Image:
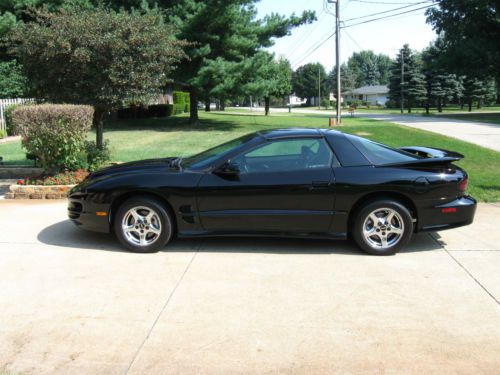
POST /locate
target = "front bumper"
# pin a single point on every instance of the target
(456, 213)
(82, 212)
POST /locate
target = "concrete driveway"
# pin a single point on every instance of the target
(74, 303)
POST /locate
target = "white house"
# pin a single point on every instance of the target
(375, 95)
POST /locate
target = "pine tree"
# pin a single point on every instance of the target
(414, 87)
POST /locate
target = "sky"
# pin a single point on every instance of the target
(384, 36)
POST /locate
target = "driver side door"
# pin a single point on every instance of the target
(284, 185)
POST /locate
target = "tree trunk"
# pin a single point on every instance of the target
(462, 103)
(207, 105)
(427, 105)
(479, 104)
(193, 99)
(98, 122)
(440, 107)
(267, 101)
(470, 104)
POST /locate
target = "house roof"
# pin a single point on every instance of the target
(370, 90)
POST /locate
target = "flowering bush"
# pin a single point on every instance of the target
(54, 133)
(63, 178)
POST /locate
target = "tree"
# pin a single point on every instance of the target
(478, 90)
(305, 80)
(369, 68)
(223, 30)
(96, 56)
(269, 78)
(12, 81)
(472, 34)
(414, 88)
(348, 79)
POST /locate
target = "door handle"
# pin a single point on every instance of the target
(320, 184)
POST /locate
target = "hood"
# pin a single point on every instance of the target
(134, 166)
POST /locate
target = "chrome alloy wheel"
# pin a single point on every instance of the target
(141, 226)
(383, 228)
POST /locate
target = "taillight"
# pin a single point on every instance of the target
(462, 185)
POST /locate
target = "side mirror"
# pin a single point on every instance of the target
(228, 170)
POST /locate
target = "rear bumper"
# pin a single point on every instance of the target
(83, 214)
(456, 213)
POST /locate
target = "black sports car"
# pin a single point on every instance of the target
(286, 182)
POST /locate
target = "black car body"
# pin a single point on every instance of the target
(316, 189)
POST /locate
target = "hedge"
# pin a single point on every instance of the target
(181, 102)
(54, 133)
(155, 110)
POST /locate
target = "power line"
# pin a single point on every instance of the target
(308, 53)
(306, 35)
(383, 2)
(350, 37)
(389, 16)
(386, 11)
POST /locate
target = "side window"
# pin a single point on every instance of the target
(286, 155)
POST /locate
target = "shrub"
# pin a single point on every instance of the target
(54, 133)
(325, 103)
(8, 118)
(181, 102)
(2, 134)
(96, 157)
(160, 110)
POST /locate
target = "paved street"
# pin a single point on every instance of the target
(73, 302)
(479, 133)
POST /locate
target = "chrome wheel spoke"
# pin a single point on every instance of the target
(130, 228)
(149, 217)
(135, 215)
(383, 241)
(396, 230)
(389, 217)
(374, 218)
(142, 239)
(153, 229)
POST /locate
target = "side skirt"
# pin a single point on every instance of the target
(202, 233)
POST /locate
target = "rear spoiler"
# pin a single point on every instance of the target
(429, 156)
(433, 153)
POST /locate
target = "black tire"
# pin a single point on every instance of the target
(141, 238)
(398, 231)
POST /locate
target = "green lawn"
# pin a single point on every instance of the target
(140, 139)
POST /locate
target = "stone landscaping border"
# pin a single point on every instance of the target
(38, 191)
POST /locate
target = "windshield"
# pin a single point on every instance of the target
(206, 158)
(380, 154)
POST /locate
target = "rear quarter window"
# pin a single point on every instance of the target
(380, 154)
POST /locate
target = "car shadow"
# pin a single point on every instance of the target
(66, 234)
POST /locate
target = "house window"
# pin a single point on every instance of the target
(360, 97)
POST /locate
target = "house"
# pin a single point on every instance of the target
(374, 95)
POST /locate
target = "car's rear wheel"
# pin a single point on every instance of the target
(143, 225)
(382, 227)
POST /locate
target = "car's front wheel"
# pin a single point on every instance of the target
(143, 225)
(382, 227)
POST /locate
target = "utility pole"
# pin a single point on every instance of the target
(337, 57)
(319, 87)
(402, 80)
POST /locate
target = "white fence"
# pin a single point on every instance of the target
(5, 103)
